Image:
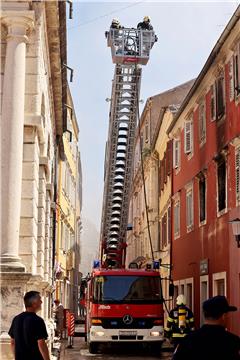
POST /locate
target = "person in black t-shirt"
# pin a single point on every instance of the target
(212, 341)
(28, 331)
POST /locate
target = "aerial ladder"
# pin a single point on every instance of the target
(130, 49)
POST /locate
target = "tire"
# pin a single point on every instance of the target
(155, 348)
(93, 347)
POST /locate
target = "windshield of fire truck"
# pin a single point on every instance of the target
(127, 289)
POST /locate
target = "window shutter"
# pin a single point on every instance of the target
(160, 235)
(220, 96)
(161, 174)
(213, 102)
(169, 157)
(188, 137)
(237, 70)
(237, 165)
(231, 79)
(202, 122)
(189, 199)
(177, 218)
(165, 167)
(169, 226)
(176, 154)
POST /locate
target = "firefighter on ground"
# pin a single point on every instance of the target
(180, 321)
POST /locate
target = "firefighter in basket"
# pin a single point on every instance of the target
(180, 321)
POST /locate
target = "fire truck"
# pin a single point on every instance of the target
(123, 305)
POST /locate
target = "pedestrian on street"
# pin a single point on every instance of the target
(28, 331)
(212, 341)
(59, 317)
(180, 321)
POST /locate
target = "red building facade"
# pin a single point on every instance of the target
(206, 180)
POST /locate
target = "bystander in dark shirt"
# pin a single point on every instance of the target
(210, 342)
(26, 329)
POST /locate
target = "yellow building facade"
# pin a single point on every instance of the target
(69, 216)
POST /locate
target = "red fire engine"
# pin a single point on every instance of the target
(124, 306)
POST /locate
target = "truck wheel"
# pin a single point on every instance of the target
(155, 348)
(93, 347)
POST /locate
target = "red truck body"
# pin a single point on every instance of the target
(124, 306)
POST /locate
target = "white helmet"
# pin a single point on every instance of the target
(181, 300)
(146, 19)
(115, 21)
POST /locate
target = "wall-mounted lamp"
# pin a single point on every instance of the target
(236, 230)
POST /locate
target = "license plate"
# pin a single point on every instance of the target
(128, 333)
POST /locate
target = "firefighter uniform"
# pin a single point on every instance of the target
(180, 321)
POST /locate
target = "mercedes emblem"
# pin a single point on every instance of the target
(127, 319)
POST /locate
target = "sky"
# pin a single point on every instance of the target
(187, 31)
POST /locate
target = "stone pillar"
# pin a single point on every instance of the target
(18, 24)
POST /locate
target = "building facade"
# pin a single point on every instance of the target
(206, 139)
(33, 120)
(155, 146)
(69, 203)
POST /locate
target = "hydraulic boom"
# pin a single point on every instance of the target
(130, 49)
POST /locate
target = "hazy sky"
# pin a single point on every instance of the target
(187, 31)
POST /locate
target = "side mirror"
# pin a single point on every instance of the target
(171, 290)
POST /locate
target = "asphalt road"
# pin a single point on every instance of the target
(121, 352)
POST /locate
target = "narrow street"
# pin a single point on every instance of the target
(120, 186)
(80, 352)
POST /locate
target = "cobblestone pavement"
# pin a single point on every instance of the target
(80, 352)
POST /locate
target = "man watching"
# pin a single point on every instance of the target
(28, 331)
(212, 340)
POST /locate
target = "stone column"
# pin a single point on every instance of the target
(18, 24)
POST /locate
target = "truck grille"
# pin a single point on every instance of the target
(117, 323)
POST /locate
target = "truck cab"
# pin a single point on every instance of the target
(124, 306)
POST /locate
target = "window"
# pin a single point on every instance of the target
(189, 295)
(219, 284)
(176, 153)
(177, 218)
(237, 172)
(221, 174)
(175, 293)
(202, 122)
(204, 294)
(220, 97)
(189, 208)
(188, 136)
(202, 199)
(213, 102)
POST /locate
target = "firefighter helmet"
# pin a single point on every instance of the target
(181, 300)
(146, 19)
(115, 21)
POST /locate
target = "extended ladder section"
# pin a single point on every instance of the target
(129, 47)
